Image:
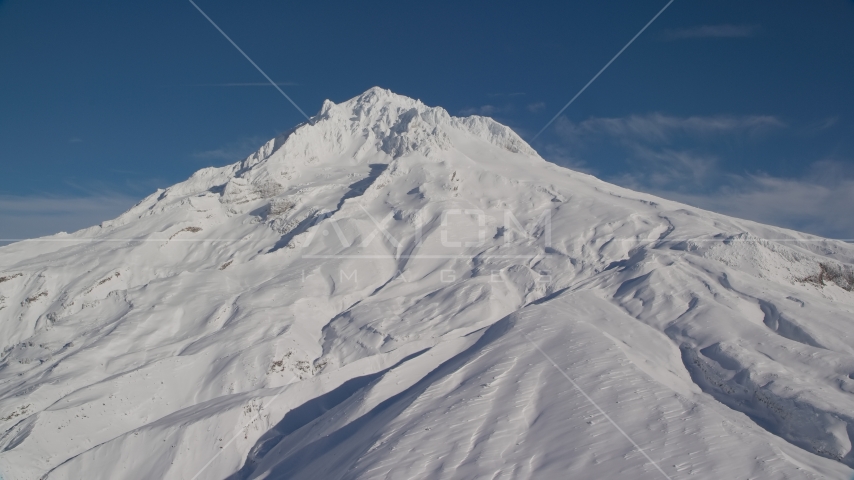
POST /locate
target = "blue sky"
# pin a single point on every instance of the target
(746, 108)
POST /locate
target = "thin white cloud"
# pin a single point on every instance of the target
(536, 107)
(658, 127)
(799, 204)
(247, 84)
(566, 157)
(485, 110)
(818, 202)
(231, 152)
(225, 154)
(670, 157)
(821, 125)
(712, 31)
(33, 216)
(678, 170)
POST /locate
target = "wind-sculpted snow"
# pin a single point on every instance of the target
(387, 291)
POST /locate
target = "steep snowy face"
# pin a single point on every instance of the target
(387, 291)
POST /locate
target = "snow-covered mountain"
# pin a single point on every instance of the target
(388, 291)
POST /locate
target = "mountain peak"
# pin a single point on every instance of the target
(375, 127)
(371, 106)
(401, 125)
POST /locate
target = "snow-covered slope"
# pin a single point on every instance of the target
(391, 292)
